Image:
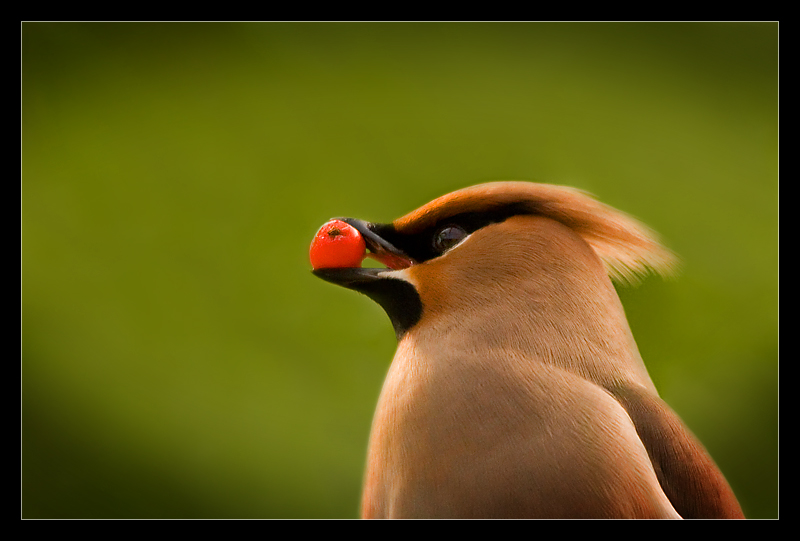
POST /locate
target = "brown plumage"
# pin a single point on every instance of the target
(517, 389)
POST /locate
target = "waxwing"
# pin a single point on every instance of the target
(517, 390)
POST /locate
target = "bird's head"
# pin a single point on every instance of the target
(495, 249)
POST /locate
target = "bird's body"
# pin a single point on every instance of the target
(470, 437)
(517, 389)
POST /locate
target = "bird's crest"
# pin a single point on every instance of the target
(628, 248)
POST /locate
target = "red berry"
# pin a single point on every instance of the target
(337, 245)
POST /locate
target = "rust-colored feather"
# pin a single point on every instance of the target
(628, 248)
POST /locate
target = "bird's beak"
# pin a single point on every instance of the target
(379, 249)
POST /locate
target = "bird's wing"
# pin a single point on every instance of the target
(687, 473)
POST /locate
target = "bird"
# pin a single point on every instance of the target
(517, 389)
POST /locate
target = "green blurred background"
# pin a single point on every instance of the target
(178, 359)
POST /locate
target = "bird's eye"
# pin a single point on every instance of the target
(447, 237)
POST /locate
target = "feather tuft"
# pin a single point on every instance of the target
(628, 249)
